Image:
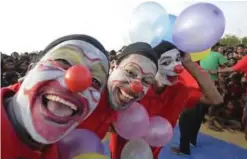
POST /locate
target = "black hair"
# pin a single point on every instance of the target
(165, 46)
(140, 48)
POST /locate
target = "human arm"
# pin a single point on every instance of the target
(239, 66)
(226, 70)
(210, 94)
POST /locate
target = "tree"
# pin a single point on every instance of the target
(244, 40)
(230, 40)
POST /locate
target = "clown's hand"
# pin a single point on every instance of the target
(186, 58)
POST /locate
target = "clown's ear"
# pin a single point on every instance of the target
(113, 64)
(30, 66)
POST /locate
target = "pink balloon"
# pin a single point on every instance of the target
(133, 122)
(159, 133)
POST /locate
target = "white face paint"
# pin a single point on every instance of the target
(133, 68)
(48, 109)
(170, 66)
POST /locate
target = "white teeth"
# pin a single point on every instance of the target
(126, 95)
(60, 100)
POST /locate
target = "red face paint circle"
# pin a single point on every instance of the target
(136, 86)
(78, 78)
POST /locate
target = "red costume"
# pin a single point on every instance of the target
(241, 66)
(169, 105)
(101, 119)
(15, 148)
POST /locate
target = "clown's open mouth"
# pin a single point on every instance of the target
(124, 96)
(172, 79)
(59, 109)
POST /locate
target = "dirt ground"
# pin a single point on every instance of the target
(236, 138)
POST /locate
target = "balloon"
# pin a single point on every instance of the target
(78, 78)
(168, 36)
(197, 56)
(79, 141)
(160, 132)
(133, 122)
(198, 27)
(91, 156)
(136, 149)
(148, 23)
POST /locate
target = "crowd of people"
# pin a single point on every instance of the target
(228, 115)
(14, 66)
(232, 86)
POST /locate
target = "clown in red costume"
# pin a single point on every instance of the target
(172, 92)
(129, 81)
(42, 109)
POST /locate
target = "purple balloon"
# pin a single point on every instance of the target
(133, 122)
(198, 27)
(79, 141)
(160, 132)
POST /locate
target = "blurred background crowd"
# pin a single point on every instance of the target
(231, 85)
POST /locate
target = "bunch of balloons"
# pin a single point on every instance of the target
(134, 123)
(142, 132)
(80, 142)
(196, 29)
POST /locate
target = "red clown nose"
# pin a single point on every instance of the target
(78, 78)
(178, 69)
(136, 86)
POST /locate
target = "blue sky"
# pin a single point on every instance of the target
(28, 25)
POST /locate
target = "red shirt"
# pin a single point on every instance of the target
(11, 145)
(241, 65)
(101, 118)
(171, 102)
(174, 99)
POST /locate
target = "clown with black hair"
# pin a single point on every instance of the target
(128, 82)
(43, 108)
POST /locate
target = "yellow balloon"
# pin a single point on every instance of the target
(196, 56)
(91, 156)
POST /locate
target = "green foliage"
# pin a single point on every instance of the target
(233, 40)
